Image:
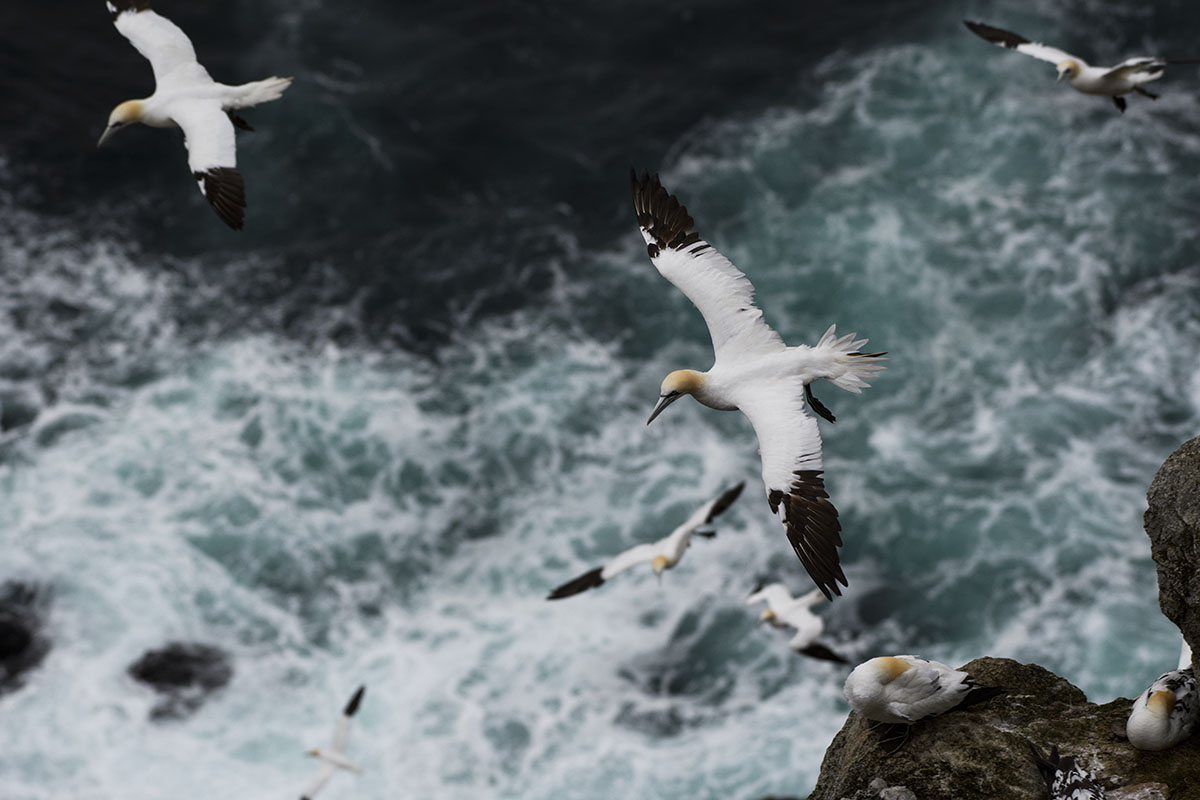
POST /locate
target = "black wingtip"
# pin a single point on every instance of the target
(588, 580)
(724, 502)
(759, 585)
(662, 216)
(996, 35)
(816, 405)
(818, 650)
(980, 694)
(225, 190)
(352, 706)
(239, 122)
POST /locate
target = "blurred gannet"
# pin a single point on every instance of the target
(1065, 780)
(785, 611)
(335, 756)
(186, 97)
(901, 690)
(1111, 82)
(756, 373)
(1164, 714)
(661, 555)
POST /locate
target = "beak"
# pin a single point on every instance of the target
(1061, 75)
(104, 136)
(663, 402)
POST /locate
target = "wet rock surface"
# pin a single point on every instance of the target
(185, 674)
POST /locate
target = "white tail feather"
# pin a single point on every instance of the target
(849, 369)
(264, 91)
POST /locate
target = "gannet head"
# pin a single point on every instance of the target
(888, 668)
(658, 565)
(1161, 703)
(675, 386)
(766, 616)
(1068, 69)
(125, 114)
(314, 753)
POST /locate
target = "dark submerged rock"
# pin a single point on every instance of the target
(23, 645)
(185, 674)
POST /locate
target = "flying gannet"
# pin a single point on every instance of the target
(785, 611)
(1065, 779)
(661, 555)
(335, 757)
(756, 373)
(186, 97)
(1165, 714)
(902, 690)
(1126, 77)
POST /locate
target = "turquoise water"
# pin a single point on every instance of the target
(187, 461)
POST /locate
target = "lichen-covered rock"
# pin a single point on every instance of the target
(1172, 522)
(981, 753)
(184, 673)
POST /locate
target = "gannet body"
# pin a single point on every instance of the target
(901, 690)
(335, 758)
(661, 555)
(185, 96)
(1065, 779)
(785, 611)
(756, 373)
(1126, 77)
(1165, 714)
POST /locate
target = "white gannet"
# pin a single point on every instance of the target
(1065, 779)
(901, 690)
(186, 97)
(661, 555)
(785, 611)
(335, 757)
(1111, 82)
(1165, 714)
(756, 373)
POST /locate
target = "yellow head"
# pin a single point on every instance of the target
(127, 113)
(1161, 702)
(675, 386)
(658, 565)
(313, 753)
(1068, 69)
(891, 668)
(767, 615)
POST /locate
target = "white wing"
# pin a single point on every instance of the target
(164, 45)
(318, 782)
(776, 596)
(678, 539)
(212, 156)
(1013, 41)
(342, 731)
(790, 446)
(720, 290)
(641, 554)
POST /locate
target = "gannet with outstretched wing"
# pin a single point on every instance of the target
(756, 373)
(1065, 779)
(785, 611)
(661, 555)
(186, 97)
(335, 757)
(1126, 77)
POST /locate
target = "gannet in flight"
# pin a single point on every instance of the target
(902, 690)
(756, 373)
(1065, 780)
(335, 757)
(785, 611)
(661, 555)
(1165, 714)
(186, 97)
(1111, 82)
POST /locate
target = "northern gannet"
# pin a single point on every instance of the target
(756, 373)
(785, 611)
(901, 690)
(1126, 77)
(1165, 714)
(1065, 779)
(335, 757)
(186, 97)
(661, 555)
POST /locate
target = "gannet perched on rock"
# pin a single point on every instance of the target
(186, 97)
(335, 757)
(661, 555)
(785, 611)
(1126, 77)
(1065, 779)
(1165, 714)
(756, 373)
(901, 690)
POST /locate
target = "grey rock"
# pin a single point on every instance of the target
(1172, 522)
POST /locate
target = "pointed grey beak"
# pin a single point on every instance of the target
(1061, 75)
(104, 136)
(663, 402)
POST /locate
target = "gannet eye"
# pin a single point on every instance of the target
(672, 393)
